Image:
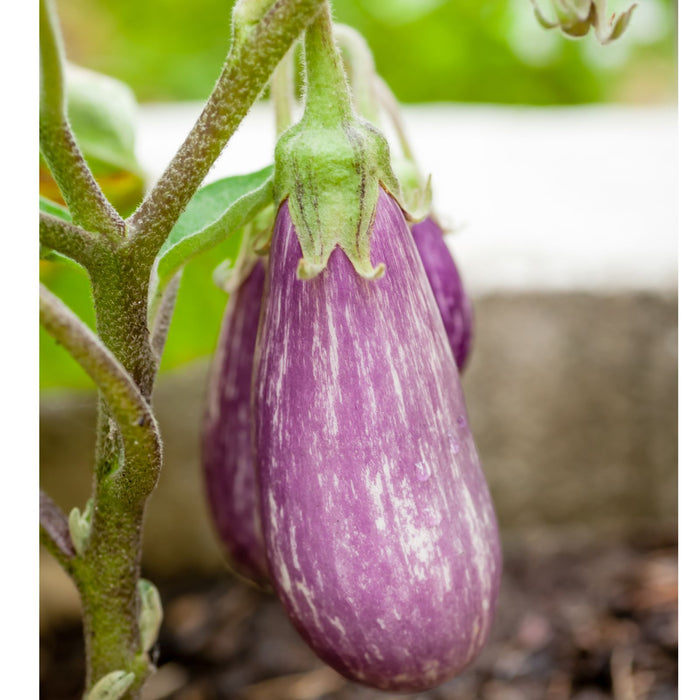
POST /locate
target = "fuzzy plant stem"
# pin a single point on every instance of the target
(79, 189)
(263, 32)
(123, 357)
(69, 240)
(391, 106)
(282, 92)
(327, 92)
(107, 571)
(361, 68)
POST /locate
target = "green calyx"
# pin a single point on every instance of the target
(417, 193)
(331, 164)
(331, 177)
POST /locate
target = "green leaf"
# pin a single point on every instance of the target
(102, 112)
(215, 213)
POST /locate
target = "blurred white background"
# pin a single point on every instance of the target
(559, 198)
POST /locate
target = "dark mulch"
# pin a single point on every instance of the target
(574, 623)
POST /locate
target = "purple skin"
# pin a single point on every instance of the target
(443, 276)
(228, 464)
(227, 456)
(381, 536)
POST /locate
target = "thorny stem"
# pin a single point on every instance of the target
(257, 47)
(77, 184)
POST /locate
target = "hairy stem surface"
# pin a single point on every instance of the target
(257, 48)
(79, 189)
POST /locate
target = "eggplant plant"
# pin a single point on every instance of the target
(339, 462)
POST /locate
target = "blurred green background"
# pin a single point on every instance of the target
(427, 50)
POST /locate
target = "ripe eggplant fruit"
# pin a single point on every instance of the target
(229, 469)
(227, 454)
(381, 537)
(450, 295)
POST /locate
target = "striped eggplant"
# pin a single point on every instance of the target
(443, 276)
(227, 457)
(229, 470)
(381, 537)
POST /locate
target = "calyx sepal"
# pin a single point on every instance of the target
(576, 17)
(331, 174)
(331, 164)
(416, 193)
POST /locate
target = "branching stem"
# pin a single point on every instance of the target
(123, 357)
(257, 47)
(79, 189)
(131, 412)
(69, 240)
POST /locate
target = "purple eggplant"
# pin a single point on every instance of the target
(227, 455)
(229, 468)
(450, 295)
(381, 537)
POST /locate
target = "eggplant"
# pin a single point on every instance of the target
(227, 454)
(452, 299)
(381, 537)
(229, 470)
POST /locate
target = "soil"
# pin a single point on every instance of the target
(574, 622)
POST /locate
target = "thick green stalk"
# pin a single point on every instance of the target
(328, 99)
(123, 359)
(282, 92)
(130, 458)
(79, 189)
(127, 406)
(124, 478)
(360, 63)
(108, 584)
(120, 293)
(69, 240)
(260, 41)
